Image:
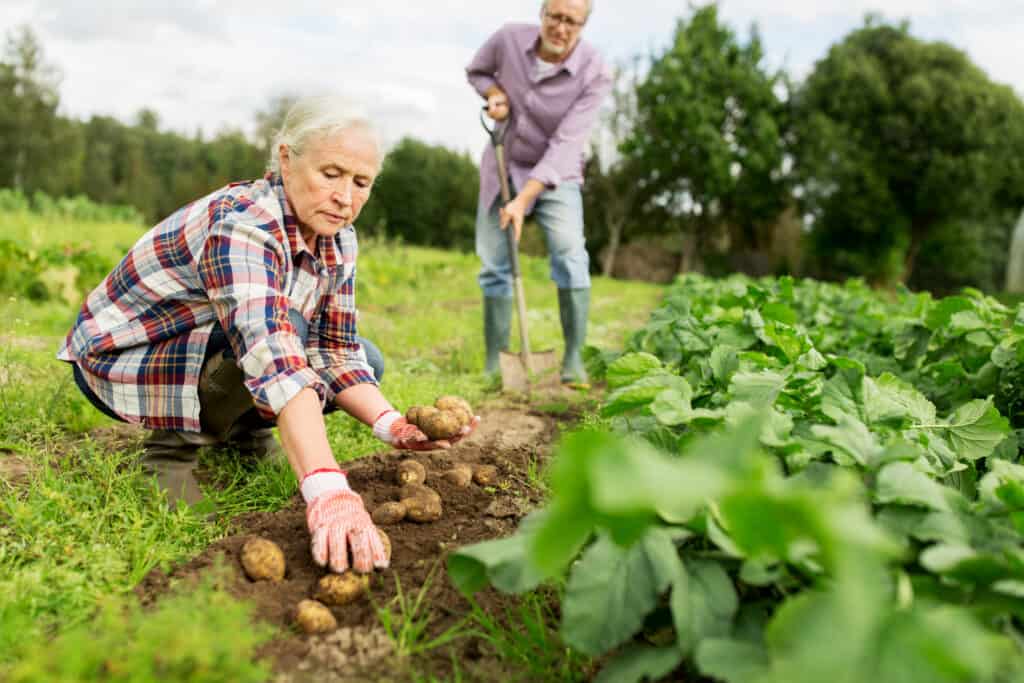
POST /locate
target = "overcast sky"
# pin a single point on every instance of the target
(210, 64)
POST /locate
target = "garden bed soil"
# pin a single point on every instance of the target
(512, 437)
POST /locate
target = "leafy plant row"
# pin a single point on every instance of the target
(793, 481)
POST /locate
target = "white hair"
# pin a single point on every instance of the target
(590, 6)
(313, 118)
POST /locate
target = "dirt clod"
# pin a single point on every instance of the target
(485, 475)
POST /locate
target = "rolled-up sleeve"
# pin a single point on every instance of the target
(566, 147)
(242, 269)
(482, 69)
(332, 348)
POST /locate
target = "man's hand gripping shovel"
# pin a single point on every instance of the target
(523, 371)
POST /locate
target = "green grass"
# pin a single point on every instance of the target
(86, 526)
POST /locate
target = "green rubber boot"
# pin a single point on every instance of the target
(497, 328)
(172, 457)
(573, 307)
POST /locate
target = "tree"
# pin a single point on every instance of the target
(898, 139)
(710, 133)
(611, 191)
(28, 111)
(425, 194)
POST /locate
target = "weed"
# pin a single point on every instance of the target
(407, 619)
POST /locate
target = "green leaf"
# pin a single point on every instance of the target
(733, 661)
(611, 589)
(724, 362)
(504, 562)
(640, 662)
(672, 408)
(976, 428)
(889, 398)
(758, 388)
(852, 438)
(631, 367)
(779, 312)
(902, 483)
(703, 603)
(942, 312)
(643, 391)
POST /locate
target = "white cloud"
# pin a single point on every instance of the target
(210, 64)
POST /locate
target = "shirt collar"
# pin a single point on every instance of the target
(327, 247)
(572, 64)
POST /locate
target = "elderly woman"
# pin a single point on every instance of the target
(237, 312)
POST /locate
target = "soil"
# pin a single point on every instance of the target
(514, 438)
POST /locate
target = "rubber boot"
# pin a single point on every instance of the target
(223, 397)
(497, 328)
(172, 458)
(573, 307)
(256, 445)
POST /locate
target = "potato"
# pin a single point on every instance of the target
(417, 491)
(262, 559)
(388, 513)
(387, 544)
(314, 617)
(423, 509)
(460, 475)
(453, 403)
(443, 425)
(485, 475)
(341, 589)
(410, 472)
(412, 415)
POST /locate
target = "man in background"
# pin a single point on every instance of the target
(552, 83)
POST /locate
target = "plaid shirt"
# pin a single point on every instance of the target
(235, 256)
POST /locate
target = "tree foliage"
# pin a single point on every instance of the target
(425, 194)
(898, 138)
(710, 131)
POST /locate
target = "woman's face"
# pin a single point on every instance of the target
(329, 184)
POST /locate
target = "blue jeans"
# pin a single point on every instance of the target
(560, 214)
(219, 342)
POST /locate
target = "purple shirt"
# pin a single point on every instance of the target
(551, 117)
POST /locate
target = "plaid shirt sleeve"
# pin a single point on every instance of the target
(332, 348)
(243, 270)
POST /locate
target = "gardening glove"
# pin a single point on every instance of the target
(338, 523)
(393, 429)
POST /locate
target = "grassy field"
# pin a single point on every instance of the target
(79, 525)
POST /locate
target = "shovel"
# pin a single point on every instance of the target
(523, 371)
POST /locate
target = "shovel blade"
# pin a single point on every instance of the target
(515, 378)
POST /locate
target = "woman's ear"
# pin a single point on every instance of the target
(284, 159)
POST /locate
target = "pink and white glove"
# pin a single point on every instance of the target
(393, 429)
(338, 523)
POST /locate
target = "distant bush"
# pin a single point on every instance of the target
(78, 208)
(59, 272)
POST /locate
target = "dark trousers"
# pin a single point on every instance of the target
(219, 342)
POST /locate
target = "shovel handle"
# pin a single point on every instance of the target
(497, 134)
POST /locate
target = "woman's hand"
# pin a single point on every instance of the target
(339, 523)
(395, 430)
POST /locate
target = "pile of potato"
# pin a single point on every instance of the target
(263, 560)
(445, 419)
(420, 503)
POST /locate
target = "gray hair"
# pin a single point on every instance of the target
(590, 7)
(316, 117)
